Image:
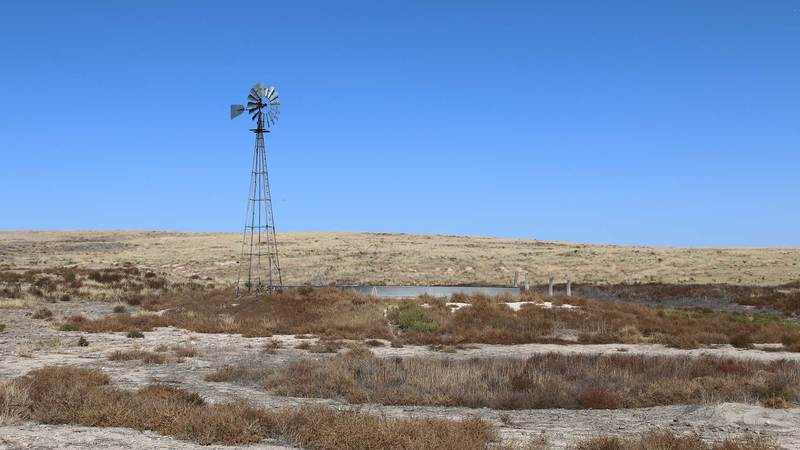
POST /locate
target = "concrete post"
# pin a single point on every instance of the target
(569, 288)
(550, 288)
(527, 282)
(516, 278)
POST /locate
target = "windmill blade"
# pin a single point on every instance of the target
(253, 97)
(236, 110)
(272, 94)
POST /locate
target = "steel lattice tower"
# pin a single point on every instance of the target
(259, 268)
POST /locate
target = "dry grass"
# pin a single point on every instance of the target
(398, 259)
(784, 298)
(42, 313)
(665, 440)
(64, 395)
(324, 312)
(341, 314)
(542, 381)
(593, 322)
(13, 402)
(184, 351)
(54, 284)
(138, 355)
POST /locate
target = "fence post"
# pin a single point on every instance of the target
(569, 288)
(527, 282)
(550, 288)
(516, 278)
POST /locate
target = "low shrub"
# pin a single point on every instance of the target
(140, 355)
(69, 326)
(42, 313)
(412, 317)
(184, 351)
(667, 440)
(541, 381)
(66, 395)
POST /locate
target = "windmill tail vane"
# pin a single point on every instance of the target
(259, 268)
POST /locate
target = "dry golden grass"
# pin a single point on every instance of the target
(542, 381)
(65, 395)
(138, 355)
(13, 403)
(665, 440)
(381, 258)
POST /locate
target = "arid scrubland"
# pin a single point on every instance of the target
(341, 314)
(655, 349)
(400, 259)
(538, 382)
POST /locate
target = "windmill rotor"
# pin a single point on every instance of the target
(263, 105)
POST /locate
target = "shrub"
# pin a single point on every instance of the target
(742, 340)
(326, 346)
(667, 440)
(184, 351)
(272, 345)
(42, 313)
(412, 317)
(68, 327)
(66, 395)
(141, 355)
(83, 342)
(135, 334)
(119, 309)
(65, 298)
(541, 381)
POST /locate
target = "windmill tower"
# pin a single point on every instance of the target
(259, 269)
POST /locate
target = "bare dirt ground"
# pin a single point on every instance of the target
(401, 259)
(28, 343)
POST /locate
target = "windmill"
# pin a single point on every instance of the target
(259, 269)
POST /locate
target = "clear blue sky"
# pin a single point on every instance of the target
(664, 123)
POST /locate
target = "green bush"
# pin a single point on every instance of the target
(413, 317)
(69, 327)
